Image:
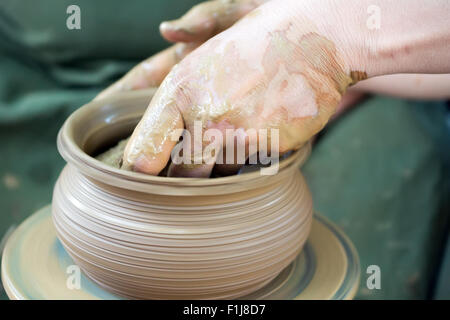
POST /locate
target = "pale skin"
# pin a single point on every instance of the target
(285, 65)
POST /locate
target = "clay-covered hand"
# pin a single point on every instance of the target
(274, 69)
(199, 24)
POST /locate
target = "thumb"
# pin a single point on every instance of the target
(207, 19)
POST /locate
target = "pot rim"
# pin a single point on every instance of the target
(88, 165)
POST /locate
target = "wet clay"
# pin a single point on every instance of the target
(284, 79)
(113, 156)
(151, 143)
(357, 76)
(33, 270)
(151, 237)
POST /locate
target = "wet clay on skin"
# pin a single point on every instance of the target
(153, 135)
(290, 83)
(148, 237)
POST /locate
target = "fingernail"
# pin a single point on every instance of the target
(165, 25)
(174, 26)
(168, 25)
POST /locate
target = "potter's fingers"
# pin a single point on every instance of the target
(207, 19)
(151, 143)
(238, 145)
(190, 170)
(150, 72)
(227, 169)
(195, 156)
(232, 158)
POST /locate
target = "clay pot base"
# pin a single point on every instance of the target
(35, 266)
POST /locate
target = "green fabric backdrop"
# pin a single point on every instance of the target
(378, 172)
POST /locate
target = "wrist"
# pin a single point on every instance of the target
(344, 24)
(345, 45)
(385, 37)
(373, 37)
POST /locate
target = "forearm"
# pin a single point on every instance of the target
(411, 86)
(412, 36)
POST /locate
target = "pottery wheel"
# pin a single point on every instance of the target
(36, 266)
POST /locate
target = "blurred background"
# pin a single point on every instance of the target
(381, 171)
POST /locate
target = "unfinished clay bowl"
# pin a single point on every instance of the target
(152, 237)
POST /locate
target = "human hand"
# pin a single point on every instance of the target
(285, 66)
(199, 24)
(274, 69)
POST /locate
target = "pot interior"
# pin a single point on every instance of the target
(99, 125)
(107, 137)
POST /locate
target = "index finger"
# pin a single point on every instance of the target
(151, 143)
(150, 72)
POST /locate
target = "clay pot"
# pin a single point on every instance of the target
(151, 237)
